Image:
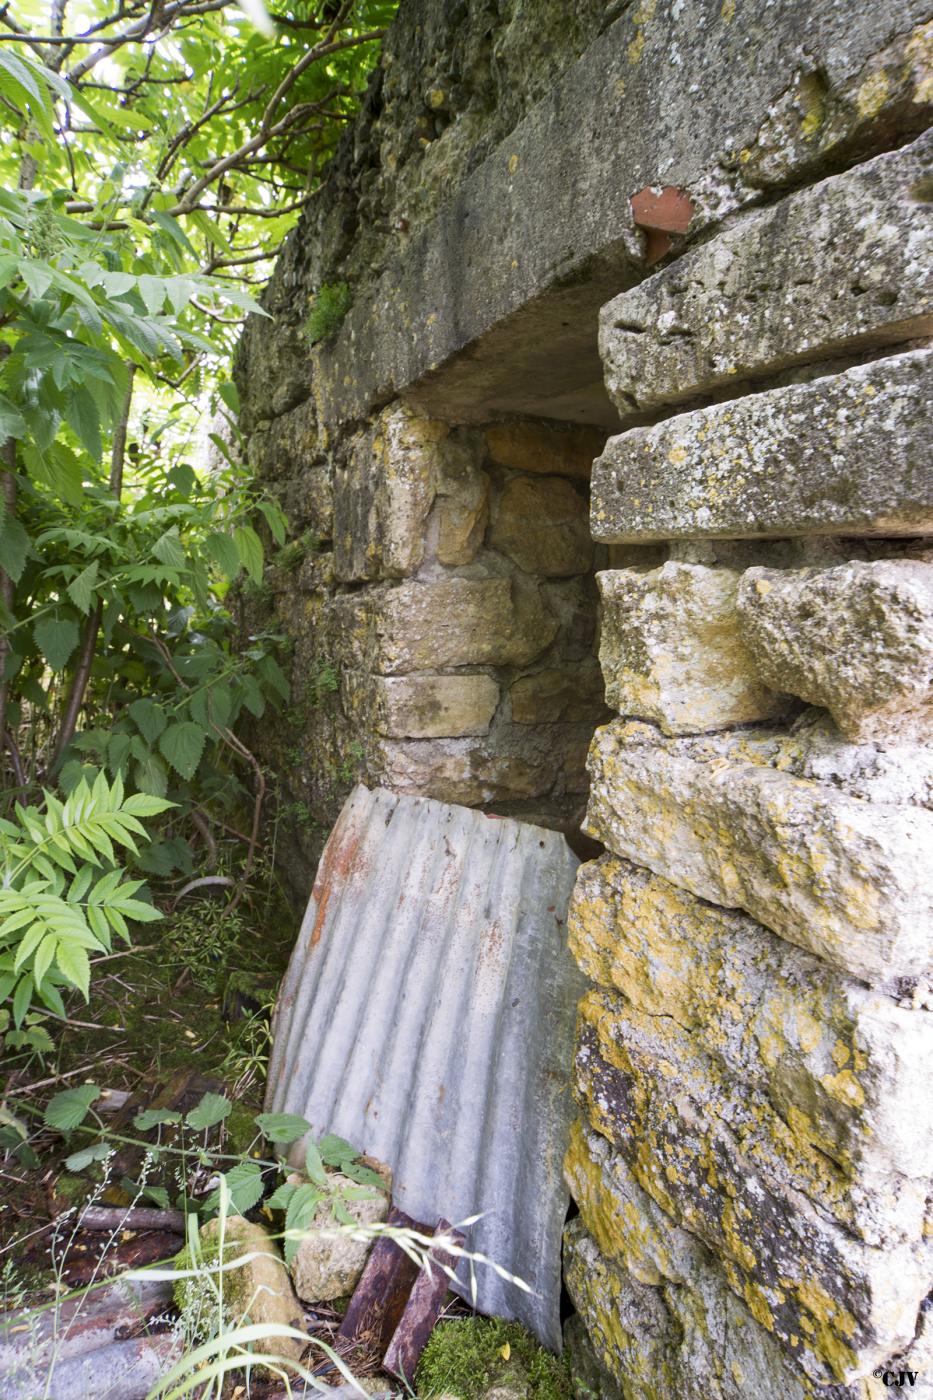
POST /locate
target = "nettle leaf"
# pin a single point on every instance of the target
(283, 1127)
(336, 1150)
(14, 544)
(79, 1160)
(244, 1182)
(169, 550)
(149, 718)
(67, 1110)
(150, 776)
(249, 548)
(212, 1109)
(56, 638)
(182, 745)
(222, 551)
(314, 1165)
(154, 1118)
(299, 1214)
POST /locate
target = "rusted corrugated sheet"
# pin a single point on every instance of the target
(427, 1016)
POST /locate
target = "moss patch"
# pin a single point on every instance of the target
(465, 1358)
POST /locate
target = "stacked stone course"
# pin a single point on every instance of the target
(754, 1155)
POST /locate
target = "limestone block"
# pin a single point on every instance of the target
(572, 693)
(671, 651)
(469, 773)
(463, 500)
(857, 638)
(287, 446)
(839, 265)
(689, 1337)
(589, 1379)
(309, 502)
(822, 841)
(462, 622)
(708, 1155)
(428, 707)
(542, 526)
(842, 1065)
(383, 493)
(548, 449)
(258, 1292)
(846, 453)
(328, 1262)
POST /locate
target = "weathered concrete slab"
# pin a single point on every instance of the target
(844, 454)
(818, 839)
(857, 638)
(845, 1067)
(671, 650)
(844, 264)
(427, 1016)
(750, 101)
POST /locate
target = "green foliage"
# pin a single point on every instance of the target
(63, 892)
(331, 303)
(466, 1357)
(139, 180)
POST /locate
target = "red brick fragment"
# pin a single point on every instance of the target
(667, 211)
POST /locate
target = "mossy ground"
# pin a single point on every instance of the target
(466, 1357)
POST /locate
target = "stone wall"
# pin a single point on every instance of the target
(754, 1155)
(745, 189)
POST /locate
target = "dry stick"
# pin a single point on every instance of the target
(131, 1218)
(82, 673)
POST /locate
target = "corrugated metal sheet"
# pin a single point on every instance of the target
(428, 1016)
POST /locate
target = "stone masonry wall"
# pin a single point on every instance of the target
(753, 1155)
(753, 1160)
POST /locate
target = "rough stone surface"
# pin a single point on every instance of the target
(843, 1066)
(463, 501)
(857, 638)
(695, 1144)
(428, 707)
(572, 693)
(260, 1291)
(460, 622)
(687, 1336)
(328, 1262)
(671, 651)
(531, 446)
(383, 495)
(838, 266)
(511, 764)
(818, 839)
(782, 99)
(542, 526)
(686, 1120)
(847, 453)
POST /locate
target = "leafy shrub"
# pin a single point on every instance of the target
(63, 892)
